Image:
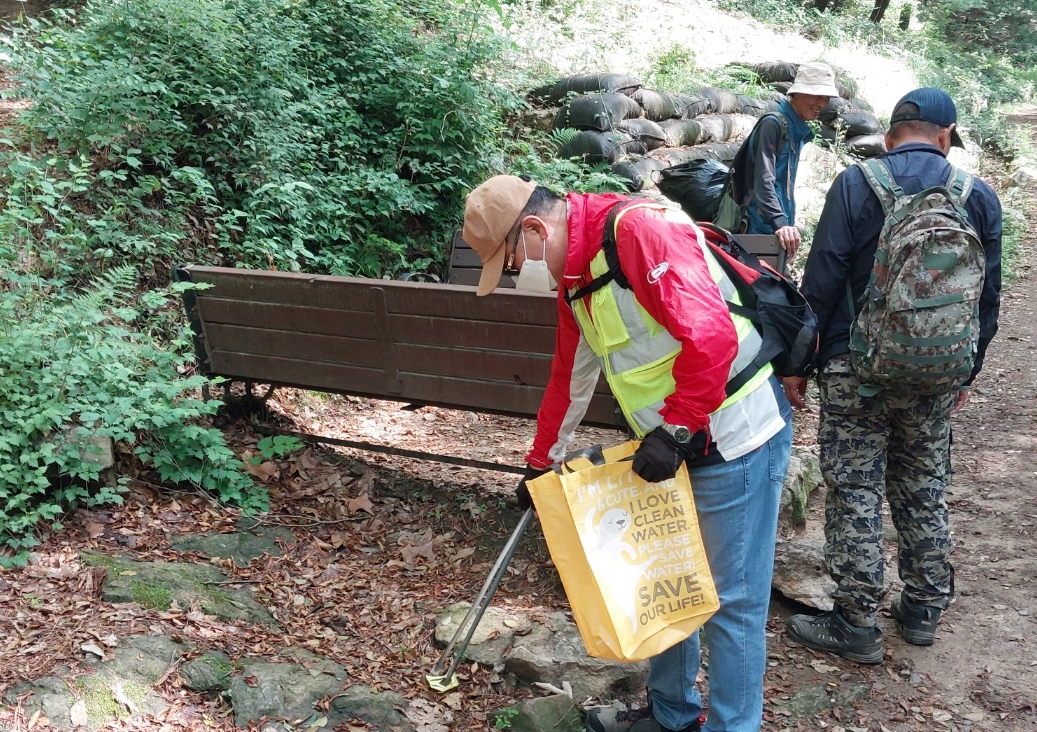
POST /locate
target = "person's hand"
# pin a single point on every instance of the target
(795, 389)
(959, 401)
(522, 492)
(788, 237)
(658, 456)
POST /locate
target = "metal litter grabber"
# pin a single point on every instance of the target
(442, 677)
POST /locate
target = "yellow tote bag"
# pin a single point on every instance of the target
(629, 553)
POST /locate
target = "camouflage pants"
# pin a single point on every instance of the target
(892, 445)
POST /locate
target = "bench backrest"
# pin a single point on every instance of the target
(465, 264)
(414, 342)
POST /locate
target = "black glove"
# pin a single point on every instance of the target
(658, 457)
(522, 492)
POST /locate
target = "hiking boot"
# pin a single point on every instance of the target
(917, 623)
(833, 633)
(617, 718)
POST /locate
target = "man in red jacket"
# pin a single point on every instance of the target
(672, 351)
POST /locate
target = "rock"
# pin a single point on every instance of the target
(208, 673)
(800, 574)
(50, 696)
(159, 584)
(376, 708)
(254, 540)
(554, 652)
(803, 478)
(115, 689)
(285, 688)
(547, 714)
(1025, 177)
(492, 637)
(815, 698)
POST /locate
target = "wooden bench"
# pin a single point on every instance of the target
(465, 264)
(425, 344)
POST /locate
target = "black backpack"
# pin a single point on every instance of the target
(770, 300)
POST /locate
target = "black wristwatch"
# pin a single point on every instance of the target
(678, 432)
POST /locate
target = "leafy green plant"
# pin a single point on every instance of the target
(505, 718)
(276, 446)
(73, 375)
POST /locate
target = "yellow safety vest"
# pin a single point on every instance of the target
(637, 353)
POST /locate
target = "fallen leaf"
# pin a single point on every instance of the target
(821, 667)
(92, 648)
(94, 529)
(360, 503)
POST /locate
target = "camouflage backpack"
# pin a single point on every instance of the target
(918, 326)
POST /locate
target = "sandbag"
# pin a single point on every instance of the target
(657, 106)
(857, 122)
(721, 101)
(690, 106)
(722, 151)
(830, 113)
(696, 185)
(782, 87)
(771, 71)
(847, 89)
(867, 146)
(724, 127)
(583, 84)
(648, 132)
(860, 103)
(756, 107)
(595, 147)
(639, 171)
(600, 112)
(682, 132)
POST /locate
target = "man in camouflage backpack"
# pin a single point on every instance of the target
(889, 384)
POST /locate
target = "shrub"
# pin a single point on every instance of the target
(72, 370)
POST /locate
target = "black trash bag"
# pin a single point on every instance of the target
(867, 146)
(721, 101)
(782, 87)
(696, 185)
(596, 147)
(648, 132)
(583, 84)
(690, 106)
(600, 112)
(641, 172)
(857, 122)
(682, 132)
(829, 133)
(832, 110)
(756, 107)
(771, 71)
(657, 105)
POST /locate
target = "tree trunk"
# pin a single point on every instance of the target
(905, 16)
(879, 10)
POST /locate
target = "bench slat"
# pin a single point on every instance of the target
(495, 397)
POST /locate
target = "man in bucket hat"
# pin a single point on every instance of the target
(763, 175)
(680, 364)
(887, 444)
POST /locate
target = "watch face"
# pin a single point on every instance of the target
(681, 434)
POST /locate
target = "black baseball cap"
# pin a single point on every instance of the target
(934, 106)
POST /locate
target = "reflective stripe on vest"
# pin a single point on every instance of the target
(637, 353)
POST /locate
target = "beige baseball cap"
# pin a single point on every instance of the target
(815, 78)
(490, 212)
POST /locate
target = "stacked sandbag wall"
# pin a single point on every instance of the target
(641, 132)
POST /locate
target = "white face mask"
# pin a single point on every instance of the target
(534, 276)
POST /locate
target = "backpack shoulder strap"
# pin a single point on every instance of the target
(608, 246)
(960, 183)
(881, 181)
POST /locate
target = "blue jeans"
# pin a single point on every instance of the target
(737, 504)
